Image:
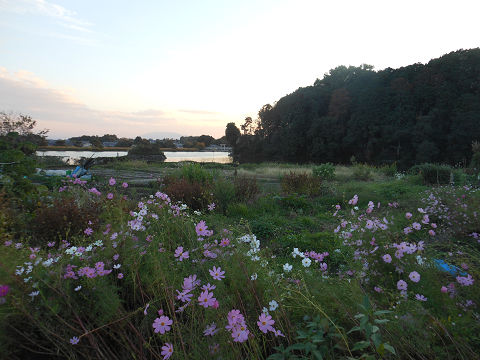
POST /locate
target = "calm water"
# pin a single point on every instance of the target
(172, 156)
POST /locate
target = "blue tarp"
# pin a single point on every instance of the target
(451, 269)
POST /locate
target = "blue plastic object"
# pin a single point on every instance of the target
(451, 269)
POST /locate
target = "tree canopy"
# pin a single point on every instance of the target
(418, 113)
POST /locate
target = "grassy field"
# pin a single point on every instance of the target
(277, 261)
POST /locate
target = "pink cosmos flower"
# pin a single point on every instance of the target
(167, 351)
(431, 232)
(444, 289)
(180, 254)
(240, 333)
(112, 181)
(387, 258)
(265, 323)
(162, 324)
(109, 196)
(211, 207)
(420, 297)
(208, 287)
(224, 242)
(408, 215)
(120, 276)
(414, 276)
(401, 285)
(407, 230)
(184, 296)
(465, 280)
(210, 330)
(206, 299)
(4, 289)
(354, 200)
(125, 185)
(217, 273)
(88, 231)
(369, 224)
(416, 226)
(201, 228)
(378, 289)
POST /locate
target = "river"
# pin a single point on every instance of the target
(172, 156)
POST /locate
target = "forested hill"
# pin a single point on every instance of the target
(414, 114)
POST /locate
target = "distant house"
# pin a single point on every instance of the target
(221, 147)
(86, 144)
(178, 144)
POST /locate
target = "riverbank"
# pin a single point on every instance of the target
(96, 149)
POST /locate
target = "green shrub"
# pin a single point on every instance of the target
(146, 149)
(194, 194)
(389, 170)
(433, 173)
(301, 183)
(195, 173)
(224, 194)
(324, 171)
(362, 172)
(246, 188)
(63, 218)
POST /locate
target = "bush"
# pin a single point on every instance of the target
(224, 194)
(362, 172)
(301, 184)
(62, 219)
(146, 149)
(389, 170)
(246, 188)
(195, 173)
(324, 171)
(192, 193)
(433, 173)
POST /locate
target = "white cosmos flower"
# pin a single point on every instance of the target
(287, 267)
(306, 262)
(273, 305)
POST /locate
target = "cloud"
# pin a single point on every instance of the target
(57, 110)
(45, 8)
(64, 17)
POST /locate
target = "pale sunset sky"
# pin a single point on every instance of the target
(189, 67)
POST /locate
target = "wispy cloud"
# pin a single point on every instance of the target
(65, 116)
(64, 17)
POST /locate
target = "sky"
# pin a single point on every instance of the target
(171, 68)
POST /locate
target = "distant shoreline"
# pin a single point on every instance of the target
(90, 148)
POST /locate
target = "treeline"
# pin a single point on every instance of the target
(414, 114)
(106, 140)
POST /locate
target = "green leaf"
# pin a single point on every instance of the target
(390, 348)
(377, 340)
(355, 328)
(381, 312)
(380, 321)
(366, 303)
(375, 329)
(317, 354)
(298, 346)
(361, 345)
(276, 356)
(358, 316)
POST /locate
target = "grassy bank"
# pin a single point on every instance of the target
(255, 262)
